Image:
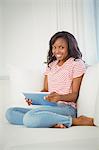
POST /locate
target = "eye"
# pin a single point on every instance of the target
(61, 47)
(53, 47)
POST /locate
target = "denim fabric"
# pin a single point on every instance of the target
(41, 117)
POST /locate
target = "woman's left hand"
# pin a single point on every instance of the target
(53, 97)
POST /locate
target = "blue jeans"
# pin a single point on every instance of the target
(41, 117)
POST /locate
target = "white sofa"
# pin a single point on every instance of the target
(13, 137)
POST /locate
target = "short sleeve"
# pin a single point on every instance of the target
(79, 68)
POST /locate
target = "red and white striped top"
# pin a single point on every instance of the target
(60, 77)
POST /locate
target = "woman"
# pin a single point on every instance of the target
(62, 78)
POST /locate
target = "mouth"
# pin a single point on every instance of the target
(58, 56)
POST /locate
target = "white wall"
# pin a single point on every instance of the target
(27, 31)
(78, 17)
(29, 24)
(1, 56)
(1, 39)
(97, 22)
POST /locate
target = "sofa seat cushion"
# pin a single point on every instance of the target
(49, 138)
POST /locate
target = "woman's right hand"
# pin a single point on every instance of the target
(28, 101)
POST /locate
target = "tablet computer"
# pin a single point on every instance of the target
(38, 98)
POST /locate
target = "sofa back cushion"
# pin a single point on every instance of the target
(96, 115)
(23, 80)
(88, 92)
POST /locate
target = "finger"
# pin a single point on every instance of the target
(52, 93)
(50, 96)
(26, 99)
(47, 97)
(30, 100)
(29, 103)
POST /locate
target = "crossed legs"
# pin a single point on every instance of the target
(47, 116)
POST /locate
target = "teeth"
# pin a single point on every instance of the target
(58, 55)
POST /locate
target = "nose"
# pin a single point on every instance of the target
(56, 50)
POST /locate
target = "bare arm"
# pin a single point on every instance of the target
(71, 97)
(45, 86)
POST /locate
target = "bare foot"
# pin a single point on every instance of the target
(83, 121)
(59, 126)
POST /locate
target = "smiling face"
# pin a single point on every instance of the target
(60, 50)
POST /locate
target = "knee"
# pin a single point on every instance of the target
(27, 120)
(31, 121)
(9, 113)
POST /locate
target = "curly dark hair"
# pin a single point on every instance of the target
(73, 49)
